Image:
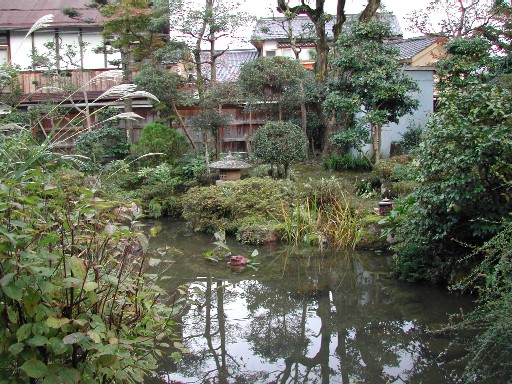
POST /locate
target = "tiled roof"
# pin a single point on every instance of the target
(271, 28)
(22, 14)
(411, 47)
(229, 64)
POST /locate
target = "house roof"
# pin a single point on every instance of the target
(275, 28)
(411, 47)
(229, 64)
(23, 14)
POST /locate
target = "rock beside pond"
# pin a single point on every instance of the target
(258, 234)
(370, 234)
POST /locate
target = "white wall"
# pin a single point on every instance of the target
(286, 52)
(21, 47)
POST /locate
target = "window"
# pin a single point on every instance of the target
(270, 53)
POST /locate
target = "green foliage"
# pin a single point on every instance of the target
(489, 354)
(224, 207)
(106, 143)
(464, 167)
(126, 27)
(159, 190)
(77, 303)
(103, 144)
(10, 88)
(393, 169)
(468, 63)
(159, 138)
(279, 143)
(272, 80)
(376, 83)
(367, 189)
(355, 137)
(19, 152)
(411, 138)
(347, 162)
(320, 214)
(164, 84)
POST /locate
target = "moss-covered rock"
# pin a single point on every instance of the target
(259, 232)
(370, 234)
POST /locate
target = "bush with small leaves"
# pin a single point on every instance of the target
(159, 138)
(280, 144)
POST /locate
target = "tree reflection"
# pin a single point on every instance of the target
(328, 320)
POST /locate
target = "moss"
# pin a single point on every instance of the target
(254, 231)
(369, 236)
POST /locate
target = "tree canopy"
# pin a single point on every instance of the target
(377, 83)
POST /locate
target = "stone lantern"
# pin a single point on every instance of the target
(385, 206)
(230, 169)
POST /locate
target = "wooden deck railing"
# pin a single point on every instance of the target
(32, 81)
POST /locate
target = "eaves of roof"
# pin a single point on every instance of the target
(413, 46)
(24, 14)
(276, 28)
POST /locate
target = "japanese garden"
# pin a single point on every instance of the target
(321, 201)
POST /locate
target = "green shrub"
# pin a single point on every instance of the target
(464, 165)
(224, 207)
(159, 138)
(159, 199)
(368, 188)
(489, 354)
(77, 303)
(280, 144)
(347, 162)
(103, 144)
(411, 138)
(386, 169)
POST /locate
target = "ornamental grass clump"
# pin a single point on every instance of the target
(321, 214)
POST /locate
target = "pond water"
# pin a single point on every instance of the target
(305, 317)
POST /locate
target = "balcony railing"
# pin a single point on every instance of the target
(32, 81)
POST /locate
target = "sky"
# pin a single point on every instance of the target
(401, 8)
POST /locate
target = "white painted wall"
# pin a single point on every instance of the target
(21, 47)
(286, 52)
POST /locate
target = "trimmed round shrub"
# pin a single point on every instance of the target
(159, 138)
(280, 144)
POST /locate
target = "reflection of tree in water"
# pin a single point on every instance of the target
(351, 306)
(277, 321)
(210, 325)
(323, 321)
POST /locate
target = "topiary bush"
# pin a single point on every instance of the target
(280, 144)
(159, 138)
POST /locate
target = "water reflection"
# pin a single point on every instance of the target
(311, 319)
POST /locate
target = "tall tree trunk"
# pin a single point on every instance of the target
(370, 10)
(317, 17)
(376, 141)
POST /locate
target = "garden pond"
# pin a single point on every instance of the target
(304, 316)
